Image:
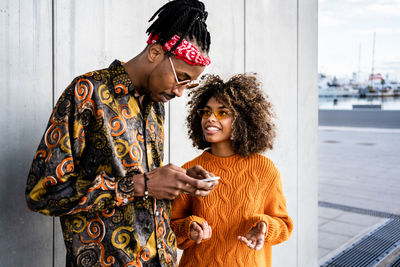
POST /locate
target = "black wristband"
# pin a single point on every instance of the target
(146, 192)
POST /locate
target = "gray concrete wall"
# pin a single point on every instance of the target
(44, 44)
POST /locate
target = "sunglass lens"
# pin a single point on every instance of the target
(192, 85)
(220, 114)
(205, 113)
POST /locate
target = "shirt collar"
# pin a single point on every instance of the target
(121, 81)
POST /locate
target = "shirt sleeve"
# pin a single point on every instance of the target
(181, 220)
(279, 224)
(57, 183)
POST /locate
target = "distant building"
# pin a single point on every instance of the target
(376, 81)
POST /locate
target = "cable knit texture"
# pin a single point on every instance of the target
(249, 191)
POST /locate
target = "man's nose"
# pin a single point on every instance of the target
(178, 90)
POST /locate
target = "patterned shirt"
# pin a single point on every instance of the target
(99, 136)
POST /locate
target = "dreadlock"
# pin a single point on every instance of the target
(186, 18)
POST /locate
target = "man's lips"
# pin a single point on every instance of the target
(166, 98)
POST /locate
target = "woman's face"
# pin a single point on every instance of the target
(216, 122)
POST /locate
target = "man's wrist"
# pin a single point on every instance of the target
(146, 190)
(138, 180)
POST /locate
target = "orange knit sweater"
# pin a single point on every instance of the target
(249, 191)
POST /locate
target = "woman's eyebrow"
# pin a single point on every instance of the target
(207, 106)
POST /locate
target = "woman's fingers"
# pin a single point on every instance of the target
(207, 231)
(200, 232)
(246, 241)
(199, 236)
(259, 244)
(255, 244)
(196, 232)
(262, 227)
(196, 227)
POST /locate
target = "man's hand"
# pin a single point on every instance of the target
(200, 232)
(255, 238)
(199, 172)
(169, 181)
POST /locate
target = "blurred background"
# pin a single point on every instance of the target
(359, 132)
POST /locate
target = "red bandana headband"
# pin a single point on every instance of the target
(185, 51)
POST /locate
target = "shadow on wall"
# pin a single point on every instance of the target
(26, 237)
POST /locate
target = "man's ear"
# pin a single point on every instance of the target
(155, 52)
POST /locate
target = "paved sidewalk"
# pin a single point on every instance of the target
(358, 168)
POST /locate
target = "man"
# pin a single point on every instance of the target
(99, 164)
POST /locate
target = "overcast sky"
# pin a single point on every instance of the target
(345, 24)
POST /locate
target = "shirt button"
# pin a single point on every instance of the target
(157, 213)
(159, 245)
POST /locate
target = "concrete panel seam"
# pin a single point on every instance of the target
(297, 131)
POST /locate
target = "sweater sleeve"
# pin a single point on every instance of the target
(181, 220)
(279, 224)
(57, 183)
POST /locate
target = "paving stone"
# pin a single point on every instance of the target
(322, 221)
(328, 213)
(358, 219)
(355, 175)
(331, 241)
(322, 252)
(343, 228)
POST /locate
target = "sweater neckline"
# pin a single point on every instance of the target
(229, 161)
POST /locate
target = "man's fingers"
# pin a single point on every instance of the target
(198, 184)
(214, 184)
(198, 172)
(174, 168)
(201, 193)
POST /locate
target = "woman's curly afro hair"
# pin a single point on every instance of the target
(252, 128)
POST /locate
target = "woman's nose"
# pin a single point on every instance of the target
(212, 117)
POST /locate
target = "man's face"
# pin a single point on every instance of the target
(162, 84)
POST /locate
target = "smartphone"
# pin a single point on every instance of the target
(211, 179)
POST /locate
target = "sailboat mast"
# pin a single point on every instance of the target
(359, 64)
(373, 59)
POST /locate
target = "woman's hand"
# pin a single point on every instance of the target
(255, 238)
(200, 232)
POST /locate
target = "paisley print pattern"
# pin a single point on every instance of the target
(98, 136)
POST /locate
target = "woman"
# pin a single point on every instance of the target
(239, 221)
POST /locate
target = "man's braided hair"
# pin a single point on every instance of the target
(253, 130)
(186, 18)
